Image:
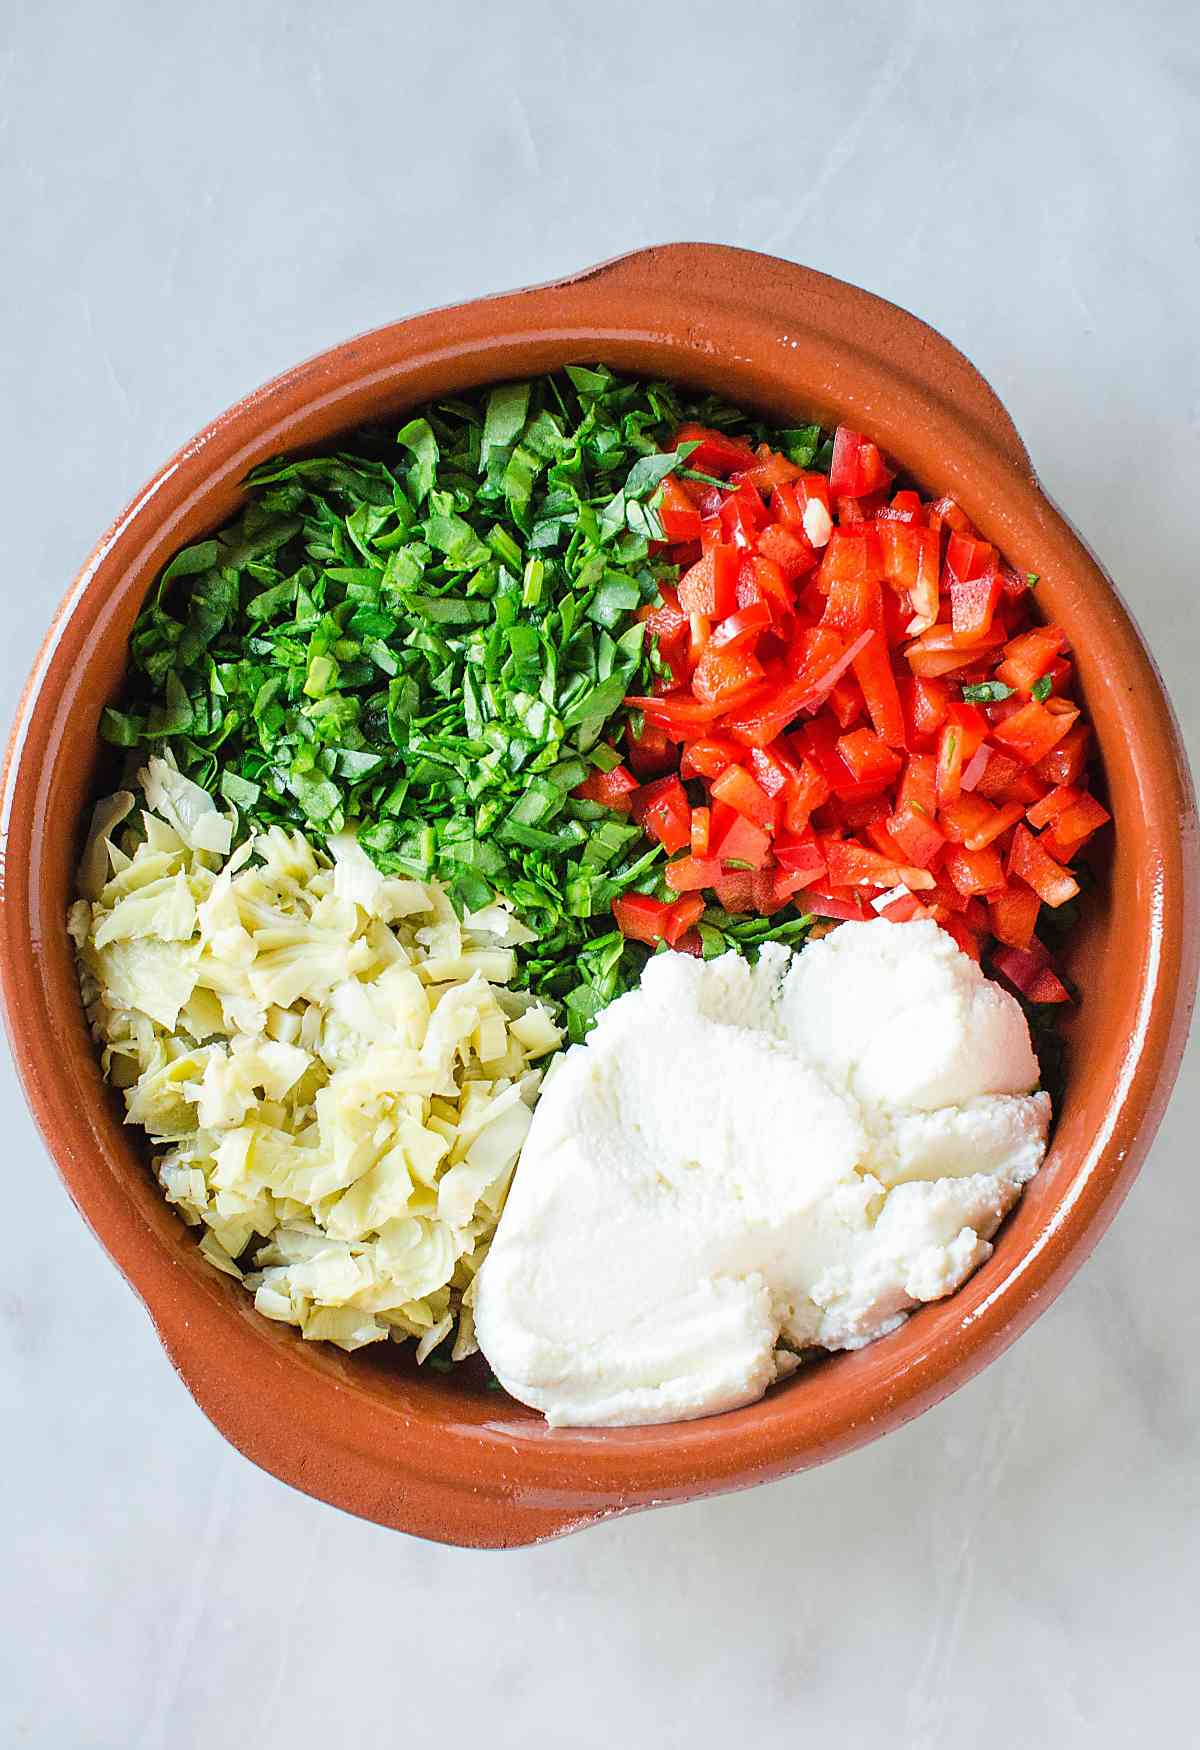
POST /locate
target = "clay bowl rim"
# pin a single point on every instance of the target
(689, 311)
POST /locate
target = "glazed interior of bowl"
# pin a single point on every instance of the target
(444, 1455)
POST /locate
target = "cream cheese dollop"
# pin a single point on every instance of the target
(744, 1162)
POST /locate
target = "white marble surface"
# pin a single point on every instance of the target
(192, 198)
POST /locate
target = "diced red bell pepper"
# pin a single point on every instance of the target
(701, 830)
(857, 466)
(868, 757)
(918, 838)
(1077, 823)
(1014, 584)
(987, 832)
(973, 871)
(946, 898)
(876, 830)
(1030, 862)
(1054, 803)
(677, 512)
(852, 555)
(1030, 655)
(897, 619)
(862, 814)
(801, 854)
(699, 633)
(771, 890)
(811, 792)
(789, 548)
(726, 674)
(855, 606)
(1031, 732)
(958, 742)
(681, 715)
(873, 672)
(666, 619)
(742, 842)
(846, 701)
(964, 936)
(736, 787)
(709, 756)
(716, 453)
(1005, 779)
(819, 741)
(944, 513)
(769, 471)
(847, 907)
(923, 702)
(973, 603)
(760, 580)
(1029, 972)
(764, 717)
(1067, 761)
(743, 516)
(860, 510)
(1072, 815)
(786, 506)
(690, 874)
(1013, 915)
(976, 766)
(745, 626)
(650, 753)
(710, 586)
(971, 721)
(609, 789)
(668, 624)
(906, 507)
(816, 508)
(641, 918)
(966, 557)
(854, 865)
(918, 786)
(899, 907)
(936, 653)
(776, 768)
(711, 533)
(820, 657)
(661, 809)
(787, 886)
(965, 816)
(1061, 671)
(682, 916)
(910, 563)
(735, 889)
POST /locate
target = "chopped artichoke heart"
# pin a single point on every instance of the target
(336, 1081)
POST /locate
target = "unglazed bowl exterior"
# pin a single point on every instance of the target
(443, 1457)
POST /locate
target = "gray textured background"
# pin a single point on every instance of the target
(193, 197)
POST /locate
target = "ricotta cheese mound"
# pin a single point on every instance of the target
(746, 1162)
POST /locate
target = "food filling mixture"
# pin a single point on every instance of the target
(593, 789)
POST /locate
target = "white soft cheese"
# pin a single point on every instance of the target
(746, 1161)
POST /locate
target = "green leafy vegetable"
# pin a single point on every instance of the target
(987, 693)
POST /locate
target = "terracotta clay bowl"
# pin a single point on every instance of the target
(445, 1457)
